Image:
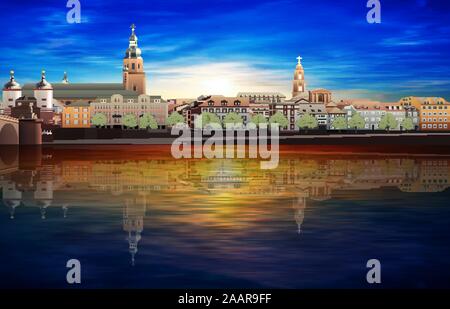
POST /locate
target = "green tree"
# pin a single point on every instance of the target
(388, 122)
(233, 119)
(130, 121)
(258, 119)
(307, 121)
(99, 120)
(339, 123)
(357, 122)
(279, 118)
(148, 121)
(205, 119)
(174, 119)
(408, 124)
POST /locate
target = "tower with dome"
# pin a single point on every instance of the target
(134, 78)
(11, 91)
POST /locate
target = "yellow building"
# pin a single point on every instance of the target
(434, 112)
(76, 115)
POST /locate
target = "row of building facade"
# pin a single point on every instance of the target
(425, 113)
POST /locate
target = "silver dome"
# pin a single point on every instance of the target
(12, 84)
(133, 52)
(43, 84)
(133, 37)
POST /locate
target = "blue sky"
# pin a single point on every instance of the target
(220, 47)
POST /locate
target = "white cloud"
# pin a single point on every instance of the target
(227, 78)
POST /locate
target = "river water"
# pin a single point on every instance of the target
(137, 218)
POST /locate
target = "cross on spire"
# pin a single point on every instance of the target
(299, 59)
(133, 26)
(65, 78)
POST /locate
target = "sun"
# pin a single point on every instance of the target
(219, 86)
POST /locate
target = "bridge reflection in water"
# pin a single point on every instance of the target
(221, 201)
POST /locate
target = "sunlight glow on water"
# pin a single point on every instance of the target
(138, 218)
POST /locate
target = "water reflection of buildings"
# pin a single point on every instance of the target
(172, 185)
(28, 187)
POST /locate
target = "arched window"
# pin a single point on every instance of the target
(321, 98)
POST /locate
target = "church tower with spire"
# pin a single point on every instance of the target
(133, 66)
(65, 79)
(299, 86)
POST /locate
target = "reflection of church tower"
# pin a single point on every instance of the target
(44, 196)
(299, 207)
(299, 79)
(11, 196)
(12, 205)
(65, 208)
(133, 223)
(133, 66)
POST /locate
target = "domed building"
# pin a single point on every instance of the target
(11, 92)
(111, 99)
(63, 93)
(43, 92)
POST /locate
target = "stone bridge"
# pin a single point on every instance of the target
(9, 130)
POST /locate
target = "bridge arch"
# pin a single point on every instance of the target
(9, 131)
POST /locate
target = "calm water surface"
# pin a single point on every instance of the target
(135, 217)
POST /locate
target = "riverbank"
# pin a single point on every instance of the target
(406, 139)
